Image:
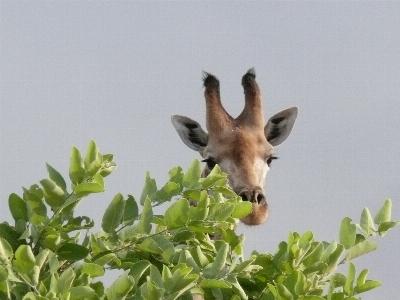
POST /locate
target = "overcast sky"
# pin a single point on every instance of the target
(115, 71)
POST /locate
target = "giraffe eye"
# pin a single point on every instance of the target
(210, 162)
(270, 159)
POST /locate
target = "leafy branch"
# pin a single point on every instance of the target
(169, 256)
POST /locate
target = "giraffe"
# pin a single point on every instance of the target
(243, 147)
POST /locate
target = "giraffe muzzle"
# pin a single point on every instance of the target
(254, 196)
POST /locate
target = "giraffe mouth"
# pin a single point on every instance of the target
(258, 216)
(259, 205)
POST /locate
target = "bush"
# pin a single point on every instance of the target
(51, 254)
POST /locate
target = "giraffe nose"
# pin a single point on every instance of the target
(254, 196)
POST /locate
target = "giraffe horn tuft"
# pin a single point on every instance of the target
(252, 114)
(217, 117)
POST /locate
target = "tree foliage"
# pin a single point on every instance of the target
(49, 253)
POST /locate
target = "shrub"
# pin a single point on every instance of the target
(49, 253)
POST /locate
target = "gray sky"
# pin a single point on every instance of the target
(115, 71)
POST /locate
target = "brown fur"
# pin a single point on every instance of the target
(242, 147)
(237, 152)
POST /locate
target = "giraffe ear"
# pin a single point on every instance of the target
(190, 132)
(280, 125)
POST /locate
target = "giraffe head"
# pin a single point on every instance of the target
(242, 147)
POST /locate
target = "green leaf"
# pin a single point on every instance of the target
(12, 236)
(225, 190)
(202, 226)
(177, 214)
(107, 164)
(338, 280)
(167, 248)
(113, 215)
(272, 289)
(95, 167)
(5, 290)
(34, 275)
(146, 218)
(108, 157)
(150, 291)
(176, 175)
(220, 260)
(366, 222)
(215, 283)
(37, 212)
(361, 249)
(199, 257)
(186, 258)
(120, 287)
(242, 209)
(64, 283)
(314, 255)
(82, 292)
(333, 259)
(34, 189)
(41, 258)
(307, 236)
(193, 175)
(71, 202)
(53, 263)
(212, 178)
(17, 207)
(131, 211)
(24, 259)
(319, 267)
(91, 153)
(150, 246)
(96, 185)
(361, 278)
(107, 168)
(200, 212)
(385, 213)
(155, 276)
(91, 269)
(143, 226)
(329, 250)
(104, 258)
(149, 189)
(221, 211)
(167, 277)
(351, 273)
(54, 195)
(184, 283)
(243, 266)
(56, 177)
(32, 296)
(232, 239)
(72, 252)
(236, 287)
(367, 286)
(169, 190)
(290, 281)
(347, 234)
(301, 284)
(77, 223)
(76, 169)
(283, 292)
(385, 226)
(138, 269)
(192, 194)
(3, 274)
(6, 252)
